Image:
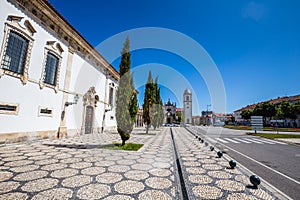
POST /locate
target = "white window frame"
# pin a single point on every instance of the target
(111, 88)
(27, 31)
(111, 96)
(15, 112)
(54, 48)
(45, 114)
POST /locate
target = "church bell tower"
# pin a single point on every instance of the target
(187, 109)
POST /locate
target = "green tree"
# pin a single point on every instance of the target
(126, 101)
(297, 108)
(279, 113)
(270, 110)
(133, 103)
(179, 117)
(295, 112)
(246, 114)
(149, 101)
(285, 108)
(266, 110)
(157, 106)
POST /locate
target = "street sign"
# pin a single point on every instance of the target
(277, 121)
(257, 123)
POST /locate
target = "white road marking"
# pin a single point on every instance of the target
(275, 141)
(281, 174)
(238, 139)
(233, 141)
(260, 140)
(257, 142)
(223, 141)
(245, 140)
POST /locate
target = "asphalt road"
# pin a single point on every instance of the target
(275, 162)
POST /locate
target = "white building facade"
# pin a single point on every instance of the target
(44, 64)
(187, 106)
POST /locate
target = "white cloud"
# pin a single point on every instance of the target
(253, 11)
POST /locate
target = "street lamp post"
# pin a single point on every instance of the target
(76, 98)
(150, 111)
(209, 105)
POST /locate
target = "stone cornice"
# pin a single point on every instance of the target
(52, 20)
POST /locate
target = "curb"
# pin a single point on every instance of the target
(276, 192)
(266, 184)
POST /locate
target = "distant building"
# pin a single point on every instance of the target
(179, 110)
(139, 118)
(43, 61)
(170, 112)
(196, 120)
(291, 99)
(187, 106)
(206, 113)
(211, 118)
(237, 114)
(206, 118)
(219, 119)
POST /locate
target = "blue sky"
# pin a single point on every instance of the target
(254, 44)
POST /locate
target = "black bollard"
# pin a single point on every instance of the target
(255, 180)
(220, 154)
(232, 164)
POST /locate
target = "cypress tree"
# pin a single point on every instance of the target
(148, 102)
(126, 102)
(161, 114)
(158, 110)
(133, 103)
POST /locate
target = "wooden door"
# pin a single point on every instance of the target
(89, 117)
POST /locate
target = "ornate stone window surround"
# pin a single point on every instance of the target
(54, 48)
(27, 31)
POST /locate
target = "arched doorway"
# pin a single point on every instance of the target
(89, 104)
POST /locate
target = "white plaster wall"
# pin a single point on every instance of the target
(84, 76)
(109, 122)
(30, 96)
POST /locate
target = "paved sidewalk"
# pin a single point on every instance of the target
(37, 171)
(290, 140)
(70, 169)
(210, 177)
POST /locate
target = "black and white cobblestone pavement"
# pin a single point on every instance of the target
(57, 169)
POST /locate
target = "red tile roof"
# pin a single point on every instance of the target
(179, 109)
(273, 101)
